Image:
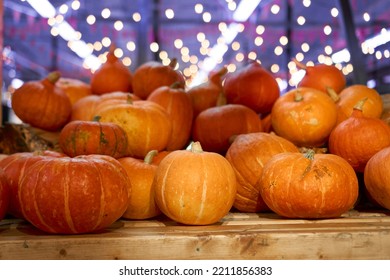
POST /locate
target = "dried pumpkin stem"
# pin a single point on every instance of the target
(360, 104)
(309, 154)
(173, 63)
(300, 65)
(149, 156)
(53, 77)
(221, 100)
(333, 94)
(298, 97)
(196, 147)
(96, 118)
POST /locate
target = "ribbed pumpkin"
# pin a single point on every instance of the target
(178, 105)
(42, 103)
(112, 76)
(15, 166)
(205, 95)
(4, 194)
(359, 137)
(308, 186)
(305, 116)
(216, 127)
(93, 137)
(247, 155)
(252, 86)
(147, 125)
(351, 95)
(141, 173)
(152, 75)
(75, 89)
(377, 177)
(194, 187)
(74, 195)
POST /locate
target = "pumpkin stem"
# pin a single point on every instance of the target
(221, 100)
(196, 147)
(129, 99)
(333, 94)
(149, 156)
(300, 65)
(173, 63)
(309, 154)
(298, 97)
(176, 85)
(96, 118)
(360, 104)
(53, 77)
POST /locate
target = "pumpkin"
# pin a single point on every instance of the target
(15, 165)
(252, 86)
(359, 137)
(194, 187)
(152, 75)
(322, 77)
(147, 126)
(112, 76)
(216, 127)
(308, 186)
(42, 103)
(93, 137)
(74, 195)
(179, 108)
(351, 95)
(305, 116)
(4, 194)
(377, 177)
(141, 173)
(247, 154)
(205, 95)
(75, 89)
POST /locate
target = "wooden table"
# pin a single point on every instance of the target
(356, 235)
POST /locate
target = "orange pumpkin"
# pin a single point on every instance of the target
(252, 86)
(93, 137)
(194, 187)
(74, 195)
(141, 173)
(247, 154)
(112, 76)
(152, 75)
(179, 108)
(75, 89)
(359, 137)
(305, 116)
(147, 125)
(42, 104)
(308, 186)
(4, 194)
(377, 177)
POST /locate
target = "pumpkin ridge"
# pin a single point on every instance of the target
(204, 189)
(102, 195)
(68, 214)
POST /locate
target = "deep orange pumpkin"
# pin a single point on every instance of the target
(75, 89)
(194, 187)
(4, 194)
(74, 195)
(93, 137)
(359, 137)
(141, 173)
(252, 86)
(42, 104)
(247, 154)
(179, 108)
(309, 185)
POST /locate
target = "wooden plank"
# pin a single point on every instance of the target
(357, 235)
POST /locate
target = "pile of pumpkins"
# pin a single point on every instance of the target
(139, 145)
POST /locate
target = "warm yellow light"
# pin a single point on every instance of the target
(130, 46)
(328, 50)
(185, 51)
(59, 18)
(278, 50)
(137, 17)
(75, 5)
(106, 13)
(154, 47)
(198, 8)
(275, 9)
(163, 55)
(299, 56)
(231, 67)
(169, 13)
(232, 5)
(51, 21)
(275, 68)
(301, 20)
(126, 61)
(378, 55)
(206, 17)
(54, 31)
(305, 47)
(222, 26)
(200, 36)
(194, 59)
(205, 44)
(106, 42)
(334, 12)
(240, 57)
(366, 17)
(236, 46)
(306, 3)
(178, 43)
(252, 55)
(327, 30)
(91, 19)
(259, 41)
(63, 9)
(260, 29)
(97, 46)
(283, 40)
(118, 25)
(118, 52)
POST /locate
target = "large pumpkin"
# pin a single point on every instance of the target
(15, 166)
(74, 195)
(93, 137)
(141, 173)
(247, 154)
(4, 194)
(195, 187)
(309, 185)
(305, 116)
(147, 125)
(42, 103)
(252, 86)
(377, 177)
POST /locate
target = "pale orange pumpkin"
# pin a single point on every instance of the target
(194, 187)
(75, 89)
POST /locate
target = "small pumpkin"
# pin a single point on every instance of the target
(74, 195)
(42, 103)
(247, 154)
(4, 194)
(112, 76)
(152, 75)
(304, 116)
(179, 108)
(75, 89)
(141, 173)
(194, 187)
(377, 177)
(93, 137)
(358, 138)
(252, 86)
(308, 186)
